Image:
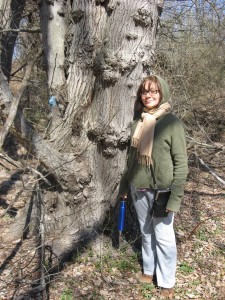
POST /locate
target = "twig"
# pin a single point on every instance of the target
(20, 68)
(200, 223)
(10, 160)
(39, 174)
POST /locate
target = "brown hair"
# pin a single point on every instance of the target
(138, 106)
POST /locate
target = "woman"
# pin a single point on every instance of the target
(158, 149)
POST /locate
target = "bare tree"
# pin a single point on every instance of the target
(189, 53)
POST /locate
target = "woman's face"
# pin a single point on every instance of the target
(150, 95)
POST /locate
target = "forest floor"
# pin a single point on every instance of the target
(101, 272)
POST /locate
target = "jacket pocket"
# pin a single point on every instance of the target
(164, 177)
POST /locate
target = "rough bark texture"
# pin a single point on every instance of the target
(96, 53)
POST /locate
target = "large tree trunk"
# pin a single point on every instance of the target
(96, 53)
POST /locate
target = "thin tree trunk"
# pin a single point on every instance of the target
(8, 39)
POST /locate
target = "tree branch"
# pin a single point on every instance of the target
(29, 30)
(16, 99)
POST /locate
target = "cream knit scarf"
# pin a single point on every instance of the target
(144, 132)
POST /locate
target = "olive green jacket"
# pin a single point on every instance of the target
(169, 157)
(169, 162)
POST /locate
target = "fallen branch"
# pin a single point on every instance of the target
(214, 146)
(210, 170)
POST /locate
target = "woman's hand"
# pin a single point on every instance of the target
(123, 196)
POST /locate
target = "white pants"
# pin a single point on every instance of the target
(159, 252)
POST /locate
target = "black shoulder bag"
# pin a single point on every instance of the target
(161, 198)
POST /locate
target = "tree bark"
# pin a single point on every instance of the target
(96, 53)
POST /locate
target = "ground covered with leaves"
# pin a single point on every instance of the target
(106, 273)
(101, 272)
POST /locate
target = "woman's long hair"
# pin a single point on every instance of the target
(138, 105)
